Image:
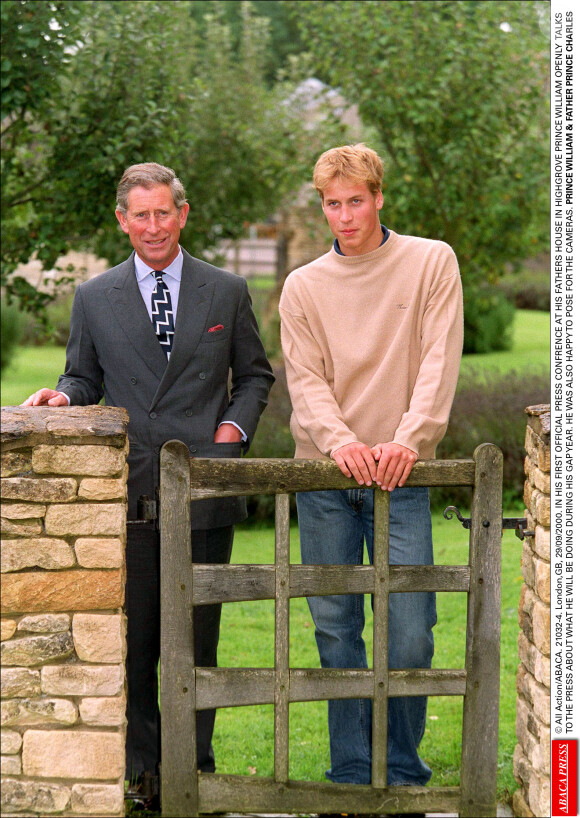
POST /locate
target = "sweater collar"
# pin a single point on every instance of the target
(337, 249)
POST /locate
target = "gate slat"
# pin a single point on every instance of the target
(237, 687)
(223, 477)
(243, 583)
(178, 726)
(481, 703)
(380, 639)
(242, 794)
(282, 640)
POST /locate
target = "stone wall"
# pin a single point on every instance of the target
(64, 479)
(532, 753)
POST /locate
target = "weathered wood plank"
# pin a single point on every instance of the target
(241, 794)
(225, 477)
(380, 639)
(481, 704)
(179, 768)
(238, 687)
(282, 640)
(240, 583)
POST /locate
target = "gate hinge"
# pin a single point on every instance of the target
(147, 511)
(519, 524)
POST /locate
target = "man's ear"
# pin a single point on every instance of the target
(183, 215)
(379, 200)
(122, 219)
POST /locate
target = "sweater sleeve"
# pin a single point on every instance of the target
(314, 405)
(425, 422)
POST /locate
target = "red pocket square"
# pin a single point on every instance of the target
(216, 328)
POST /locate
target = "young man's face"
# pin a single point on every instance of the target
(352, 212)
(153, 224)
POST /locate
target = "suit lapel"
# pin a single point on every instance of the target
(127, 304)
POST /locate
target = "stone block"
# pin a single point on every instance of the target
(539, 795)
(38, 797)
(11, 742)
(7, 629)
(97, 461)
(541, 542)
(80, 590)
(41, 552)
(19, 682)
(82, 680)
(103, 712)
(541, 508)
(17, 462)
(98, 799)
(542, 576)
(535, 662)
(522, 766)
(10, 765)
(520, 805)
(538, 450)
(22, 511)
(86, 519)
(39, 489)
(541, 627)
(30, 426)
(93, 488)
(99, 637)
(527, 565)
(21, 528)
(93, 552)
(44, 623)
(36, 650)
(43, 711)
(78, 755)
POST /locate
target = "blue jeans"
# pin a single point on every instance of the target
(333, 528)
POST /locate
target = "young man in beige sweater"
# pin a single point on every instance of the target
(372, 334)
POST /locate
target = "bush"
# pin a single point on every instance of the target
(490, 408)
(488, 320)
(527, 289)
(58, 312)
(11, 333)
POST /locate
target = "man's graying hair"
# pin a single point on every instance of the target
(148, 175)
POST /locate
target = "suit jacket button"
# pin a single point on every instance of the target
(189, 412)
(133, 380)
(202, 376)
(152, 415)
(192, 449)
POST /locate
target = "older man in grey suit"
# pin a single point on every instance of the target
(160, 334)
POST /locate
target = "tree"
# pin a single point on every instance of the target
(129, 82)
(456, 91)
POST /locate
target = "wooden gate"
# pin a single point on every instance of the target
(186, 688)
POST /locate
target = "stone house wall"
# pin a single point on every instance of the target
(64, 478)
(532, 752)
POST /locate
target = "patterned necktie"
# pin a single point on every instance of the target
(162, 313)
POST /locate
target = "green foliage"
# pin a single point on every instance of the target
(139, 81)
(488, 320)
(10, 332)
(527, 289)
(456, 93)
(489, 407)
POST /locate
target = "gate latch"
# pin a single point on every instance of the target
(146, 511)
(517, 523)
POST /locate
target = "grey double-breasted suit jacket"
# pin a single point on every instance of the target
(113, 351)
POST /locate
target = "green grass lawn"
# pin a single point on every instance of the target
(244, 736)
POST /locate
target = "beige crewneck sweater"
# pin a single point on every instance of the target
(372, 346)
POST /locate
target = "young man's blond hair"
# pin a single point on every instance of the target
(355, 163)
